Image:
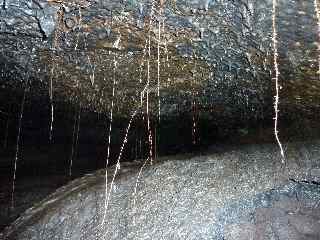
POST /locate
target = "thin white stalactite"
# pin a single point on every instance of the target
(194, 125)
(109, 142)
(276, 78)
(317, 12)
(117, 167)
(147, 98)
(78, 128)
(140, 72)
(158, 71)
(148, 89)
(55, 47)
(158, 78)
(51, 121)
(166, 53)
(155, 143)
(165, 45)
(18, 145)
(72, 148)
(51, 104)
(75, 137)
(142, 95)
(193, 106)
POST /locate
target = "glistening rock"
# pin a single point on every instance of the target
(197, 198)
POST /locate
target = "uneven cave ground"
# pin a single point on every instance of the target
(251, 195)
(288, 213)
(197, 83)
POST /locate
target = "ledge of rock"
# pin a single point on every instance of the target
(232, 195)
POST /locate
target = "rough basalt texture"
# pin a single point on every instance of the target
(217, 52)
(231, 195)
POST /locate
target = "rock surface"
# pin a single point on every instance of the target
(239, 194)
(219, 52)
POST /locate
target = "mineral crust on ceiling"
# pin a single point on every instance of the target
(219, 51)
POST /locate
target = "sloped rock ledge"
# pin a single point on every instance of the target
(198, 198)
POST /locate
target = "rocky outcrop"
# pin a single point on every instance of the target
(230, 195)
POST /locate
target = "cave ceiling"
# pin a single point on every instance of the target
(215, 52)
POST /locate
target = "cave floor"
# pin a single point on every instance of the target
(285, 217)
(28, 191)
(289, 218)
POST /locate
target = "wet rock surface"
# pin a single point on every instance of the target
(215, 76)
(29, 190)
(288, 213)
(239, 194)
(219, 52)
(67, 58)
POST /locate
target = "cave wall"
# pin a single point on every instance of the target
(216, 71)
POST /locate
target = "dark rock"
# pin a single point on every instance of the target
(305, 224)
(315, 174)
(226, 44)
(240, 194)
(245, 231)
